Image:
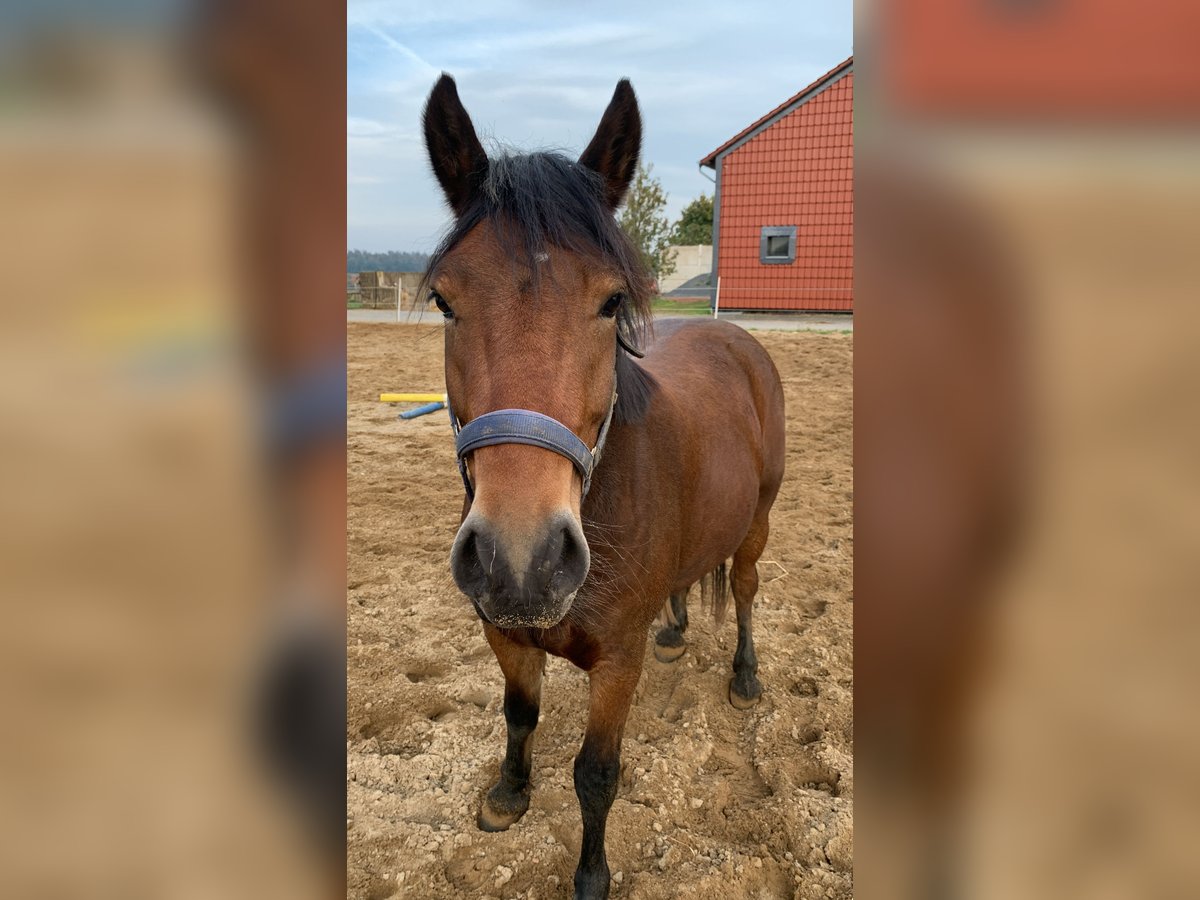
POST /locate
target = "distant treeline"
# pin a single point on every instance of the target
(391, 261)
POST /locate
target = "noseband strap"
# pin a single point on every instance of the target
(524, 426)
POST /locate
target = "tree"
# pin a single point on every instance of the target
(644, 221)
(695, 223)
(390, 261)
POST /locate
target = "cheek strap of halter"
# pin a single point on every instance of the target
(524, 426)
(628, 347)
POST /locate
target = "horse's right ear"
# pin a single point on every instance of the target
(457, 156)
(617, 144)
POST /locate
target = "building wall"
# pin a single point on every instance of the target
(799, 171)
(690, 260)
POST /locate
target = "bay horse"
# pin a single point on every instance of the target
(597, 485)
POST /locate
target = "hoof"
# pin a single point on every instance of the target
(493, 819)
(742, 702)
(669, 654)
(592, 885)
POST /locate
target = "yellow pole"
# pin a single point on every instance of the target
(411, 398)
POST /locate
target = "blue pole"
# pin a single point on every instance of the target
(422, 410)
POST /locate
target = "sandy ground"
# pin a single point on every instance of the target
(712, 802)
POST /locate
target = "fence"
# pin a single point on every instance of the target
(385, 290)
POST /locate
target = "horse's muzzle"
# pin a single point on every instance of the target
(520, 583)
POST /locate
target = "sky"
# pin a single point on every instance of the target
(537, 75)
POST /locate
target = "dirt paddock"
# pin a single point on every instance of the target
(712, 802)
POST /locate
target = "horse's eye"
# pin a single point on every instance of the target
(612, 305)
(440, 302)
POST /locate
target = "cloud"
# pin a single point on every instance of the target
(406, 53)
(537, 74)
(367, 128)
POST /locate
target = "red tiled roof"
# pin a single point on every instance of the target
(711, 159)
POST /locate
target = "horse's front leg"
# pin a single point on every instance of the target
(598, 766)
(507, 801)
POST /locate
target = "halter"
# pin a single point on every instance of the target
(524, 426)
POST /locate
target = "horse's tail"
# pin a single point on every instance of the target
(714, 591)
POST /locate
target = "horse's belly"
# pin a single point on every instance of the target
(721, 394)
(720, 513)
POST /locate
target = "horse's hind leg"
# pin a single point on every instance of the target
(507, 801)
(744, 688)
(669, 643)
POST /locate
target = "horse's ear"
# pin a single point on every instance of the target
(617, 144)
(457, 156)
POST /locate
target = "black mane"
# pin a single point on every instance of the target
(544, 199)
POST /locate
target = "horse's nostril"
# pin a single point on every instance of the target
(572, 560)
(466, 560)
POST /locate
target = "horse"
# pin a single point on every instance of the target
(608, 464)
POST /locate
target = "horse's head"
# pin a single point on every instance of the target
(534, 280)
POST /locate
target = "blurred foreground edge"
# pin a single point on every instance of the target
(172, 661)
(1027, 194)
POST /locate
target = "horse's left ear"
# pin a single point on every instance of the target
(617, 144)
